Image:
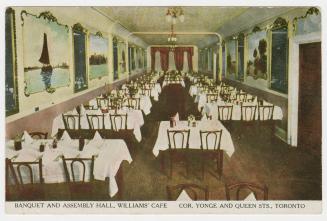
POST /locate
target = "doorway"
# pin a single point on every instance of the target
(309, 115)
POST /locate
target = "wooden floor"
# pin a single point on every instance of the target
(289, 173)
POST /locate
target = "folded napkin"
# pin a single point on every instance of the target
(96, 142)
(65, 139)
(28, 155)
(74, 112)
(28, 142)
(176, 117)
(184, 197)
(82, 109)
(27, 139)
(250, 197)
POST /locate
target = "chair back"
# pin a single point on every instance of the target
(146, 92)
(212, 97)
(225, 112)
(194, 191)
(81, 163)
(248, 112)
(16, 169)
(178, 139)
(71, 121)
(118, 121)
(96, 121)
(133, 103)
(257, 190)
(265, 112)
(241, 96)
(210, 140)
(39, 135)
(102, 102)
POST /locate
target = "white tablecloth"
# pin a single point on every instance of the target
(194, 142)
(134, 121)
(110, 155)
(193, 90)
(165, 83)
(211, 109)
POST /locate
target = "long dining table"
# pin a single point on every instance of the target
(162, 143)
(109, 154)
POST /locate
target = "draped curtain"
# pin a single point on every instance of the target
(178, 57)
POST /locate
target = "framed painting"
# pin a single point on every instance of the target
(256, 65)
(46, 60)
(231, 58)
(79, 42)
(98, 56)
(11, 94)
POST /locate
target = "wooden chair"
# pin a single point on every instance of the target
(194, 191)
(225, 112)
(210, 146)
(71, 121)
(248, 112)
(96, 121)
(102, 102)
(265, 112)
(81, 189)
(178, 152)
(121, 124)
(133, 103)
(39, 135)
(212, 97)
(31, 190)
(260, 192)
(241, 96)
(146, 92)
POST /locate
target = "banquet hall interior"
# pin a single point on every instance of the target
(140, 103)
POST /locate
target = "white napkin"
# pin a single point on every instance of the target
(74, 112)
(184, 197)
(27, 139)
(176, 117)
(65, 139)
(96, 142)
(29, 155)
(250, 197)
(82, 109)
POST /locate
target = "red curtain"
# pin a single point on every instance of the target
(164, 57)
(178, 57)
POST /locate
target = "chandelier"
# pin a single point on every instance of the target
(175, 13)
(172, 36)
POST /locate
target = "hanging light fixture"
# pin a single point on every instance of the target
(175, 13)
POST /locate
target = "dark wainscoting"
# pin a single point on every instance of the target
(42, 120)
(272, 98)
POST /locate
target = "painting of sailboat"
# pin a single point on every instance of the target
(46, 59)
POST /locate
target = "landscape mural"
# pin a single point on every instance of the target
(98, 59)
(46, 59)
(231, 58)
(256, 65)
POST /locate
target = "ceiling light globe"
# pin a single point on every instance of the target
(168, 18)
(182, 18)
